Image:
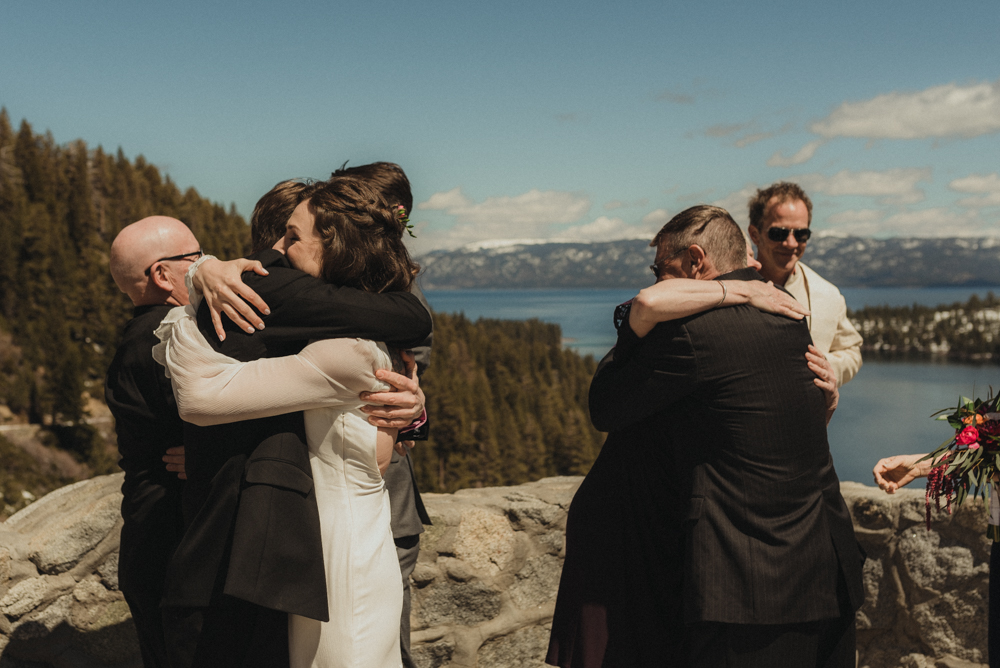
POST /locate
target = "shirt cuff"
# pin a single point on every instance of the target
(194, 297)
(416, 424)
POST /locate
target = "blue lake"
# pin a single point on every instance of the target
(885, 410)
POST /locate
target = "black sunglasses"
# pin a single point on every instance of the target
(781, 233)
(183, 256)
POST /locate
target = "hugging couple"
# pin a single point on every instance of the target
(285, 548)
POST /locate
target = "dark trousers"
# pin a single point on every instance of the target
(230, 634)
(407, 550)
(994, 620)
(823, 644)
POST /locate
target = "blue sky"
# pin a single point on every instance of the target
(540, 120)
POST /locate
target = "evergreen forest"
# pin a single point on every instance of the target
(507, 402)
(60, 312)
(960, 331)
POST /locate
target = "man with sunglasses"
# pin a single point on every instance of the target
(779, 226)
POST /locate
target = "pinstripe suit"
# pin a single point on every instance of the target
(721, 408)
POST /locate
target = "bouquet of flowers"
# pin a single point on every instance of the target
(967, 462)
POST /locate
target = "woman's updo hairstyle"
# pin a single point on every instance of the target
(362, 237)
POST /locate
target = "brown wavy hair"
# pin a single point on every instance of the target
(362, 237)
(267, 224)
(781, 192)
(388, 178)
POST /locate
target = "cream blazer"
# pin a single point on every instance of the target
(831, 331)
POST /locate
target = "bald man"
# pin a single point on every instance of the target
(148, 262)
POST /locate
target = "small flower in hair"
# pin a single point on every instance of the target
(405, 220)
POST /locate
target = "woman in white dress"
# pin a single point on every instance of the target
(346, 234)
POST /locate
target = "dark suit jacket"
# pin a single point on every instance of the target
(408, 515)
(142, 402)
(767, 532)
(253, 523)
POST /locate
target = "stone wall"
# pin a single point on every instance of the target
(484, 587)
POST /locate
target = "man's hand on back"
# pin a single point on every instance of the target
(826, 379)
(174, 460)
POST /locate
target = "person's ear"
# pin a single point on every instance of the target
(754, 235)
(697, 255)
(160, 278)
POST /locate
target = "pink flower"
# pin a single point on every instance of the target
(974, 446)
(967, 436)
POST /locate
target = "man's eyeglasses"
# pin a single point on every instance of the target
(655, 268)
(779, 234)
(183, 256)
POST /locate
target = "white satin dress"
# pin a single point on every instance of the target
(363, 576)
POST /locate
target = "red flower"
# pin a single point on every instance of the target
(967, 436)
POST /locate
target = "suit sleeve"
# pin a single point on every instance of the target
(642, 377)
(422, 353)
(305, 308)
(845, 349)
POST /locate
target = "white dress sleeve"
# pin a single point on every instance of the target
(211, 388)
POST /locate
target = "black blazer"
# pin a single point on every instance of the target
(741, 431)
(253, 526)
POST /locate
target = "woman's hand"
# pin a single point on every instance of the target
(766, 297)
(826, 379)
(397, 407)
(174, 459)
(892, 473)
(222, 285)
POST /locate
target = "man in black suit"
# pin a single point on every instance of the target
(715, 492)
(252, 552)
(148, 261)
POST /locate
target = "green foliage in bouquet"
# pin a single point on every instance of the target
(966, 462)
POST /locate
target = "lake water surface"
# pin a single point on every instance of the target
(885, 410)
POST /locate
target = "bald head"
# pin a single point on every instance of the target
(141, 245)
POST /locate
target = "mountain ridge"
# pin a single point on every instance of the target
(846, 261)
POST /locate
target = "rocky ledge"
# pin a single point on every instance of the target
(485, 584)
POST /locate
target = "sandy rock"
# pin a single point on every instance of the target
(525, 647)
(537, 582)
(485, 582)
(4, 565)
(485, 541)
(456, 603)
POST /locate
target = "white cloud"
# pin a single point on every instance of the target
(951, 110)
(656, 218)
(724, 130)
(804, 154)
(535, 207)
(618, 204)
(856, 217)
(892, 186)
(451, 199)
(604, 229)
(986, 185)
(534, 215)
(744, 134)
(933, 222)
(736, 204)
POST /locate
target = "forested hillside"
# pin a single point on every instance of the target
(966, 332)
(507, 404)
(60, 312)
(507, 401)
